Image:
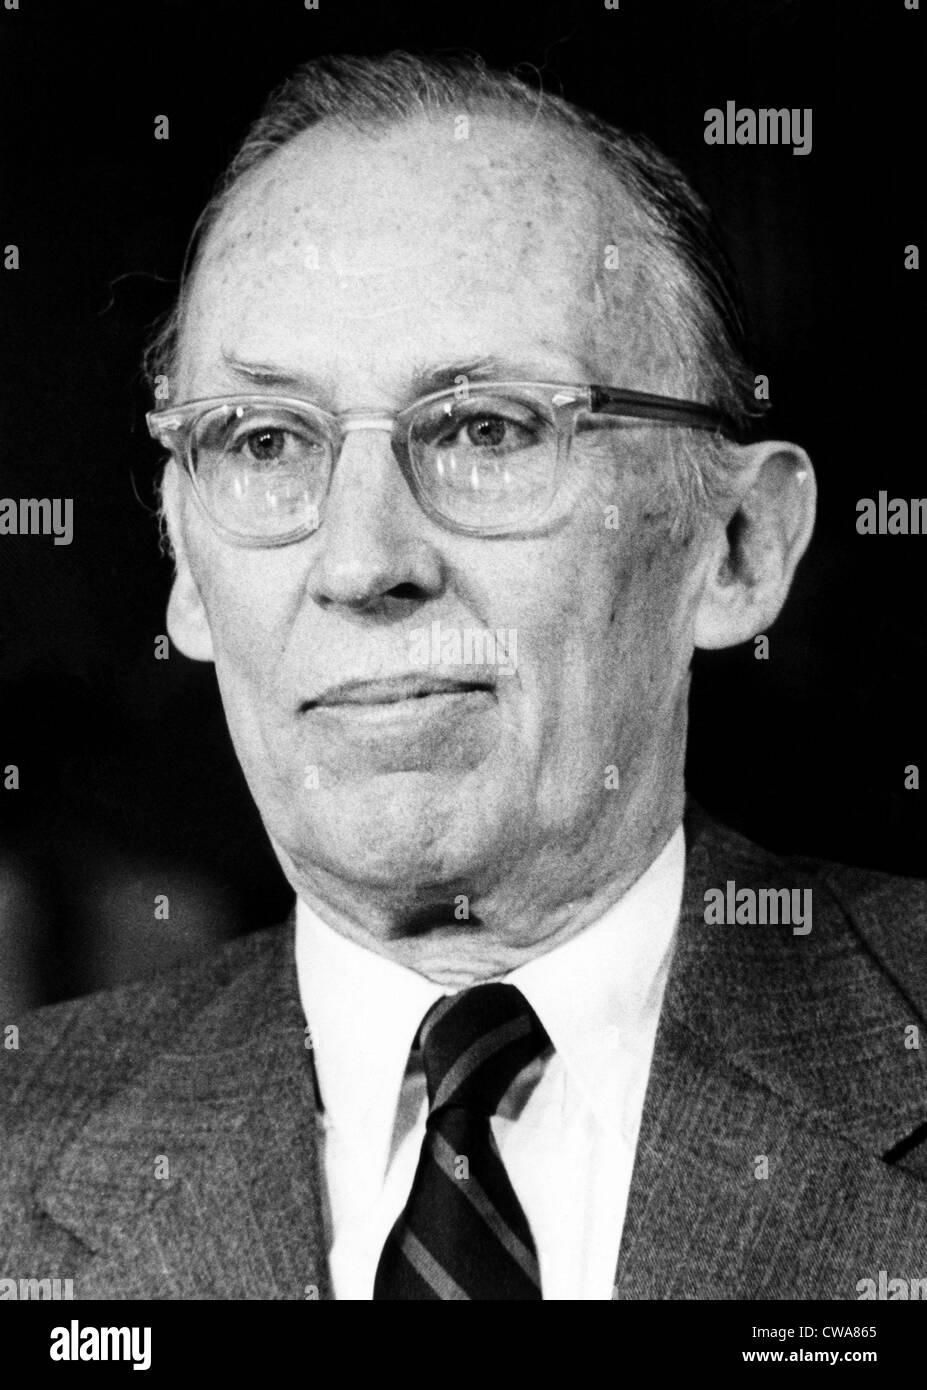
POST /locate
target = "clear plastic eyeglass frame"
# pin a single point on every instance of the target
(175, 428)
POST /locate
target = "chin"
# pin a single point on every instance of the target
(396, 842)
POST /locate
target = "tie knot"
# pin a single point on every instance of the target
(475, 1043)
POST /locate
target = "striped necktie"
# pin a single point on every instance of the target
(462, 1233)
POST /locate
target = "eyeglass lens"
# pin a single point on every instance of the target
(478, 459)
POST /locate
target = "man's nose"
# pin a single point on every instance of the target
(373, 543)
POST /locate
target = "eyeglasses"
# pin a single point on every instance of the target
(481, 459)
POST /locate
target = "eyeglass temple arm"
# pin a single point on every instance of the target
(642, 405)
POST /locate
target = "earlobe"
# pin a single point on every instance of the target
(755, 559)
(186, 617)
(187, 622)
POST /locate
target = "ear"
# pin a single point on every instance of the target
(187, 623)
(755, 556)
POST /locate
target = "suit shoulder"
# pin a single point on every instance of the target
(886, 913)
(889, 914)
(872, 889)
(83, 1047)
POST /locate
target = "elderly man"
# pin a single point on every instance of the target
(460, 474)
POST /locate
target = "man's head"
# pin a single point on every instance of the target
(390, 226)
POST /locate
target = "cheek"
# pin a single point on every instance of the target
(249, 604)
(571, 636)
(619, 629)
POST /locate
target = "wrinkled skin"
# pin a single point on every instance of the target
(346, 270)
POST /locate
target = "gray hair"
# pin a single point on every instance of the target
(695, 296)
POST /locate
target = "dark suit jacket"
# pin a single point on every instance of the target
(770, 1044)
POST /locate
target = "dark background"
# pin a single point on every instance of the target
(129, 787)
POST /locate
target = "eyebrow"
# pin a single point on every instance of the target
(425, 379)
(270, 375)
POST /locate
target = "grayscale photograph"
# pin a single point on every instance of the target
(461, 666)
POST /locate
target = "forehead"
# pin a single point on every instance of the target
(348, 255)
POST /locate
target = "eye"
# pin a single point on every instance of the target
(488, 431)
(496, 427)
(264, 446)
(271, 445)
(501, 431)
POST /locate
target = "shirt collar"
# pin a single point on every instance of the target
(598, 995)
(363, 1012)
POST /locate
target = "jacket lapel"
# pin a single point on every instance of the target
(200, 1178)
(780, 1085)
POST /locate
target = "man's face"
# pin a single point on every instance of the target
(347, 270)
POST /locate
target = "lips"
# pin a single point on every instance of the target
(392, 690)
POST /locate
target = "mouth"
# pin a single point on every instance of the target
(395, 690)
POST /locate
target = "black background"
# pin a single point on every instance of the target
(129, 786)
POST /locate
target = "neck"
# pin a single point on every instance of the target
(542, 901)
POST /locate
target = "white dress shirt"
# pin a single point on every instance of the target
(567, 1128)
